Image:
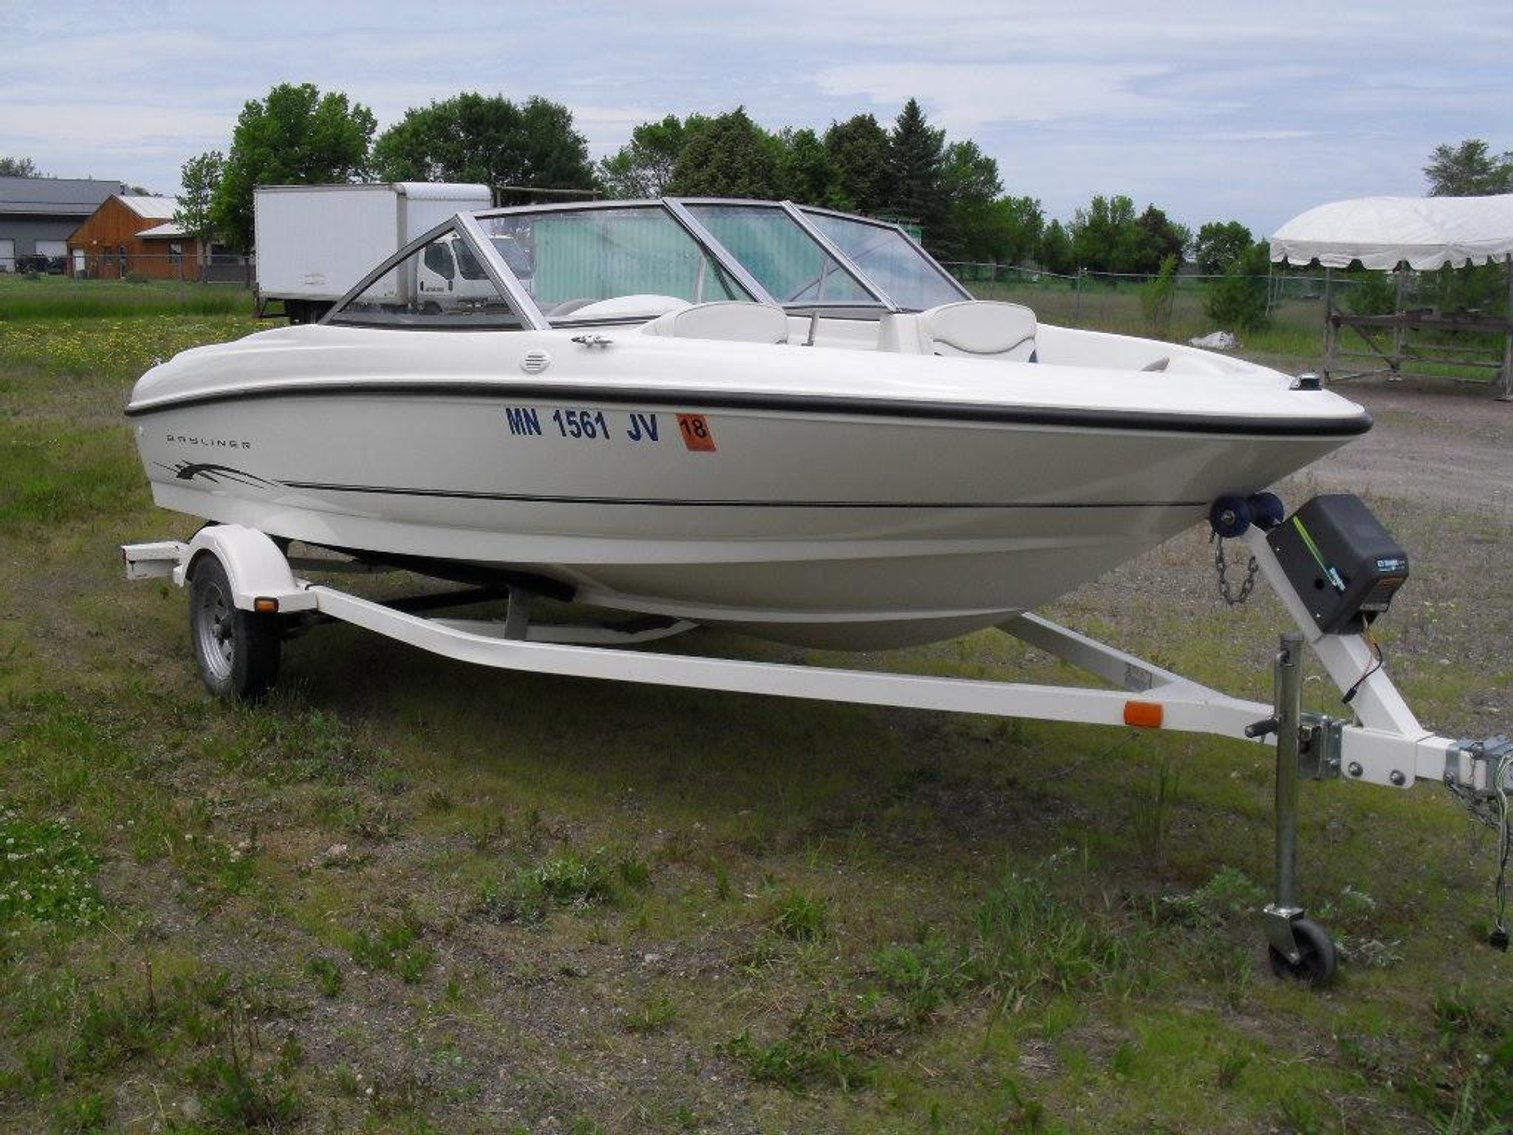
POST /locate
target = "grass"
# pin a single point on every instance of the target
(410, 895)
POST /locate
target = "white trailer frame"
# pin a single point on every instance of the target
(1385, 745)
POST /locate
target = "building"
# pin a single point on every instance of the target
(37, 214)
(134, 236)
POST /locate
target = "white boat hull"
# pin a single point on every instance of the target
(808, 518)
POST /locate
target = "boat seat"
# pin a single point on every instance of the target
(979, 329)
(736, 321)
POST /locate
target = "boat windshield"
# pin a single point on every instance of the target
(902, 269)
(440, 285)
(618, 263)
(786, 260)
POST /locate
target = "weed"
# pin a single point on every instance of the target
(652, 1015)
(327, 974)
(394, 948)
(1229, 895)
(923, 976)
(1028, 940)
(799, 917)
(568, 881)
(1299, 1113)
(82, 1116)
(797, 1061)
(1231, 1063)
(1150, 811)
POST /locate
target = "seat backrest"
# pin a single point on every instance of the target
(980, 328)
(735, 321)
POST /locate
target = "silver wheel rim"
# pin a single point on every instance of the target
(215, 622)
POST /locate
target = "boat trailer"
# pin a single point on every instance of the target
(245, 597)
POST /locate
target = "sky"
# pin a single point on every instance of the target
(1249, 110)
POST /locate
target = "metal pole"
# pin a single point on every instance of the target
(1289, 678)
(1329, 328)
(1507, 347)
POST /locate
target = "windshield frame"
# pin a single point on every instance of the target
(920, 255)
(470, 228)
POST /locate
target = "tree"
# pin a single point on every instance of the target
(1468, 170)
(1218, 243)
(644, 167)
(728, 156)
(487, 139)
(1055, 251)
(18, 167)
(1157, 295)
(1102, 233)
(805, 171)
(296, 136)
(916, 155)
(199, 178)
(858, 149)
(1237, 300)
(1158, 239)
(968, 187)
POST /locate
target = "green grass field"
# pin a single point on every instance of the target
(406, 895)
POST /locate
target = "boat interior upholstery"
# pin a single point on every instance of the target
(734, 321)
(971, 328)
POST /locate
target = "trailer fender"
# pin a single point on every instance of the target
(260, 575)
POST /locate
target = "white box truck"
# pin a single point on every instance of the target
(314, 242)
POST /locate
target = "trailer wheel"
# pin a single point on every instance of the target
(237, 651)
(1316, 962)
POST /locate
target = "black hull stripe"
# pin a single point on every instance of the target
(668, 502)
(907, 410)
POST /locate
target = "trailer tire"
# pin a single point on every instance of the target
(237, 651)
(1316, 956)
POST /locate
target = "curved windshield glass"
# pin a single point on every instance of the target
(785, 260)
(574, 262)
(901, 269)
(440, 285)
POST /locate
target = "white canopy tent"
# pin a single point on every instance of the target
(1424, 233)
(1383, 232)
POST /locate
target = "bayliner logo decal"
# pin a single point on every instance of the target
(215, 474)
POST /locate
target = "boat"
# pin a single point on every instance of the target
(777, 418)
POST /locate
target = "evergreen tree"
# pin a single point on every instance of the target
(728, 156)
(916, 155)
(859, 149)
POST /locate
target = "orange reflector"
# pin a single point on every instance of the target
(1142, 714)
(265, 606)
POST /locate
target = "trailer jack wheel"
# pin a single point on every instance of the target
(1316, 958)
(237, 651)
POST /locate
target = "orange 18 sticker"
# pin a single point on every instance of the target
(696, 432)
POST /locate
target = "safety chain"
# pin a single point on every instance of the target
(1234, 599)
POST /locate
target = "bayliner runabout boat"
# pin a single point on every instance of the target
(772, 417)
